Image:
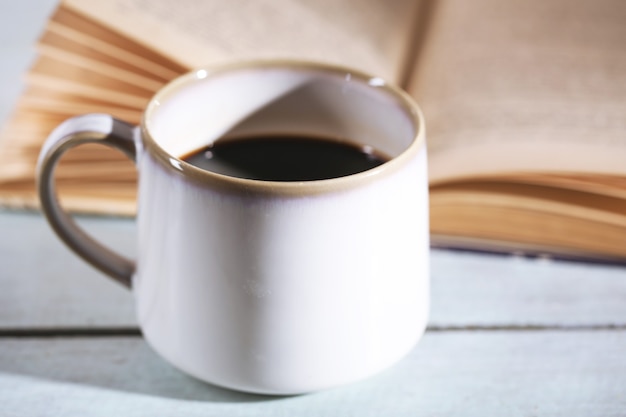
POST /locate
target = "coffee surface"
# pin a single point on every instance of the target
(284, 158)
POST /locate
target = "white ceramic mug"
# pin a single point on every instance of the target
(261, 286)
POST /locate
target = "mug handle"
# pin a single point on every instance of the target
(90, 128)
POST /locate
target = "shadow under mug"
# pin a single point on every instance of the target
(263, 286)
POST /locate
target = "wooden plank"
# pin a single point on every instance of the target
(44, 285)
(520, 373)
(470, 289)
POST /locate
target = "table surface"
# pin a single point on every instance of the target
(507, 335)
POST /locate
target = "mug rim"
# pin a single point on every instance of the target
(288, 188)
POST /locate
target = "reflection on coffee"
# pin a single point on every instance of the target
(285, 158)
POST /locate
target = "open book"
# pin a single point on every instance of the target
(525, 101)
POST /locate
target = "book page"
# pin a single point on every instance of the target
(88, 48)
(97, 34)
(524, 86)
(370, 35)
(528, 218)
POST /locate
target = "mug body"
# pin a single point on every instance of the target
(282, 287)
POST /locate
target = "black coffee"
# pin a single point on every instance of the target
(284, 158)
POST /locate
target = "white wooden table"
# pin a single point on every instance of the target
(508, 336)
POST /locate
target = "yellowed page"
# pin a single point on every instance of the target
(524, 86)
(99, 35)
(71, 40)
(493, 216)
(55, 104)
(597, 184)
(368, 34)
(77, 61)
